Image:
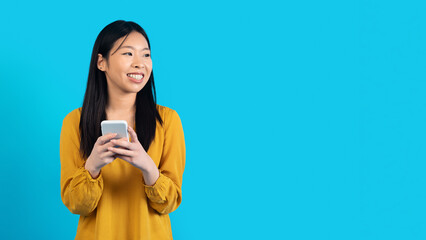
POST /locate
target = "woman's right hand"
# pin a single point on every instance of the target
(100, 156)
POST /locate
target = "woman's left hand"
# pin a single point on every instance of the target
(132, 152)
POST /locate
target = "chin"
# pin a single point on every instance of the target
(136, 90)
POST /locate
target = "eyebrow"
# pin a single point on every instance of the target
(132, 48)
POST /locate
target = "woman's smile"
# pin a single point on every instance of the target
(136, 77)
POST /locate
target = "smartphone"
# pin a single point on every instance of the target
(115, 126)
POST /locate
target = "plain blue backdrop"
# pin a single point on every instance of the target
(302, 119)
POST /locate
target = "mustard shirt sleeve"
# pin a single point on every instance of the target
(79, 191)
(165, 195)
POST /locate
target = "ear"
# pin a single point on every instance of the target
(101, 63)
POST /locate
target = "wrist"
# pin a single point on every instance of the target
(94, 172)
(149, 168)
(145, 164)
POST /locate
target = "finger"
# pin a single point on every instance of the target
(103, 139)
(125, 158)
(107, 157)
(122, 143)
(122, 139)
(121, 151)
(107, 154)
(109, 160)
(104, 148)
(133, 134)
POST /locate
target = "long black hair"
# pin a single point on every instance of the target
(96, 96)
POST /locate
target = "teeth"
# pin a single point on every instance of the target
(136, 76)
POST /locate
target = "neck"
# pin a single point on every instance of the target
(119, 102)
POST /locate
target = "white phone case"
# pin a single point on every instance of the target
(115, 126)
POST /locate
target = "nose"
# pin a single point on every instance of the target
(137, 63)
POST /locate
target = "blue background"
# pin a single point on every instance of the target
(302, 119)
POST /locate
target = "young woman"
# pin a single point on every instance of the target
(123, 192)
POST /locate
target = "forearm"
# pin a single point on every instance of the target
(81, 193)
(165, 196)
(151, 174)
(94, 172)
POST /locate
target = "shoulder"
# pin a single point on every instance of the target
(168, 115)
(71, 125)
(165, 112)
(74, 114)
(72, 118)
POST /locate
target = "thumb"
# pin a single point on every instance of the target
(133, 134)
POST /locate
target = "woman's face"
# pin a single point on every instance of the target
(128, 68)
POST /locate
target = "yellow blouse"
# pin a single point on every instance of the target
(117, 204)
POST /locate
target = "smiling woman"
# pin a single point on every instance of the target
(131, 61)
(123, 192)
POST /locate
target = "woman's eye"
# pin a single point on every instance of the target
(147, 55)
(128, 53)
